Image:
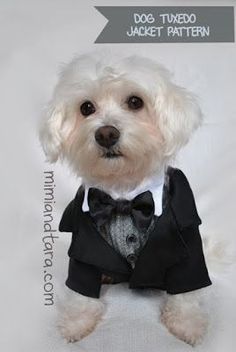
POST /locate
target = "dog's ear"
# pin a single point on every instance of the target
(179, 115)
(50, 133)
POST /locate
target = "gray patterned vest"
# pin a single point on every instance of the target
(124, 237)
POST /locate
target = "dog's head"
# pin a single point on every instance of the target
(117, 121)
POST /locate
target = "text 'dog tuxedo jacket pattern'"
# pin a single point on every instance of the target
(172, 258)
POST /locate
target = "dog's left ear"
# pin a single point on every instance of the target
(178, 114)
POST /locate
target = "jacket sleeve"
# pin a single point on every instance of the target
(84, 278)
(190, 273)
(182, 200)
(66, 223)
(69, 220)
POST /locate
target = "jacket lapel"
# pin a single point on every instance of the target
(163, 249)
(90, 247)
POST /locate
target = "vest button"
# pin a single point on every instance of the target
(131, 258)
(131, 239)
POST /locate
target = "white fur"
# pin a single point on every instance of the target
(184, 317)
(149, 138)
(79, 316)
(169, 117)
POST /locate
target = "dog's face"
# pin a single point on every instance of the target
(117, 121)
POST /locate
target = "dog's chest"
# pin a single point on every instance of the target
(124, 237)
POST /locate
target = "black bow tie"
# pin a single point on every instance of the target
(102, 206)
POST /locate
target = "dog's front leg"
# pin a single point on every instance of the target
(184, 317)
(79, 316)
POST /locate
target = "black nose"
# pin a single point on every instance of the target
(107, 136)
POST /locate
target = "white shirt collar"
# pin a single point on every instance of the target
(154, 185)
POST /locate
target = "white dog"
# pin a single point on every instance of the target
(118, 122)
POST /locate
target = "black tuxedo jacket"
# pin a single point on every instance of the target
(172, 258)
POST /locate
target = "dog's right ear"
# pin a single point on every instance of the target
(50, 133)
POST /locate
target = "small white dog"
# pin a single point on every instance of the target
(118, 122)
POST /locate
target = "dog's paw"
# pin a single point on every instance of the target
(76, 324)
(188, 325)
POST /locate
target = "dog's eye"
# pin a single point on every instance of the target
(87, 108)
(135, 103)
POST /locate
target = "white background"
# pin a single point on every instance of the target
(36, 37)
